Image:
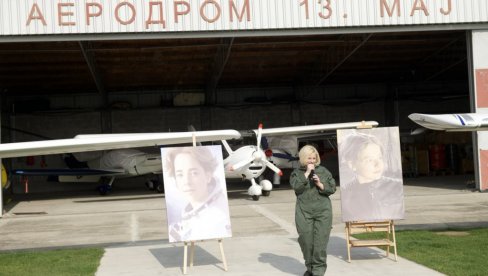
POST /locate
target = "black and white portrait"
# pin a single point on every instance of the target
(370, 174)
(196, 194)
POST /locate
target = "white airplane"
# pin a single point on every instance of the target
(452, 122)
(121, 161)
(247, 162)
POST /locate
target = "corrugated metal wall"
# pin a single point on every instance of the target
(37, 17)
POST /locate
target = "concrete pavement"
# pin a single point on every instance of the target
(131, 225)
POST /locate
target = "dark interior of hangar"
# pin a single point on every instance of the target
(60, 89)
(210, 63)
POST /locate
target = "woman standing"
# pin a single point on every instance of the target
(313, 184)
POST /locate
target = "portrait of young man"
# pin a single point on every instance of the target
(370, 174)
(195, 193)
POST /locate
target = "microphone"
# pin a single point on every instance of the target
(310, 176)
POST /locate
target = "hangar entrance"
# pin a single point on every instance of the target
(58, 89)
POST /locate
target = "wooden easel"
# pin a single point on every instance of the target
(192, 243)
(192, 254)
(356, 227)
(364, 125)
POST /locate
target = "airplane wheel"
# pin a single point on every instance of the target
(255, 197)
(160, 188)
(103, 189)
(266, 193)
(150, 185)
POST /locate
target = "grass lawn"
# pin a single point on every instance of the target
(51, 262)
(453, 252)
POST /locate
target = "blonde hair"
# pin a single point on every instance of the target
(305, 152)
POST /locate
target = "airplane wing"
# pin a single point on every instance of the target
(111, 141)
(71, 175)
(70, 172)
(313, 128)
(452, 122)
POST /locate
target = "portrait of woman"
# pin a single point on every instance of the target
(196, 195)
(370, 174)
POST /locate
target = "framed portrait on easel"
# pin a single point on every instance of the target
(370, 173)
(196, 194)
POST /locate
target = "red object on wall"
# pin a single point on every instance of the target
(437, 157)
(481, 88)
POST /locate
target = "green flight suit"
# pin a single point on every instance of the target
(313, 216)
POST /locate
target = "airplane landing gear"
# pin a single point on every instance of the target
(105, 186)
(255, 191)
(155, 185)
(160, 188)
(150, 185)
(104, 189)
(266, 187)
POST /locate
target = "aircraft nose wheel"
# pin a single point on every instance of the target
(105, 186)
(255, 197)
(266, 193)
(104, 189)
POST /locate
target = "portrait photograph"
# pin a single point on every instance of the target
(370, 173)
(195, 193)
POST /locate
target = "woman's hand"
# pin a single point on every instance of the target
(317, 182)
(310, 168)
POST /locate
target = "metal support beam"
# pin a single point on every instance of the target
(442, 55)
(220, 60)
(439, 51)
(343, 60)
(106, 117)
(444, 69)
(92, 66)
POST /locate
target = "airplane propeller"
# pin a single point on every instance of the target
(243, 163)
(272, 167)
(260, 135)
(258, 156)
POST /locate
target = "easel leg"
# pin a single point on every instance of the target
(192, 253)
(223, 255)
(348, 243)
(185, 250)
(394, 240)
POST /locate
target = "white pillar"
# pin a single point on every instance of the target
(1, 188)
(1, 191)
(478, 67)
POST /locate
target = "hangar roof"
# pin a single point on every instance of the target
(208, 63)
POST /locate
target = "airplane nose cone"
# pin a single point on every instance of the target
(258, 155)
